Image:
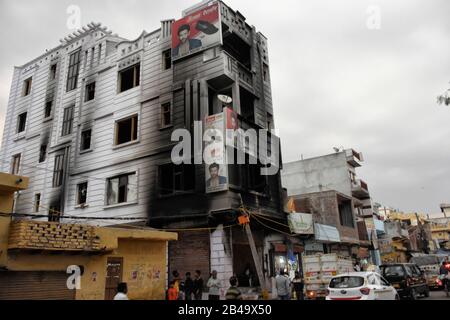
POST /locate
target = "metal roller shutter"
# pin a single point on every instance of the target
(34, 285)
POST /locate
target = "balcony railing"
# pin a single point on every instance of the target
(232, 66)
(353, 158)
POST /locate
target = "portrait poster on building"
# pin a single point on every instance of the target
(216, 169)
(197, 31)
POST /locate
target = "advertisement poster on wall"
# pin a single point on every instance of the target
(197, 31)
(216, 169)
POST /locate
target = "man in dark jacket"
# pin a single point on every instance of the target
(198, 285)
(188, 286)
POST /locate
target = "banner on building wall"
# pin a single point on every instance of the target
(238, 139)
(197, 31)
(301, 223)
(326, 233)
(216, 169)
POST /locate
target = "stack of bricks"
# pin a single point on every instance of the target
(26, 234)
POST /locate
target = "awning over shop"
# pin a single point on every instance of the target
(326, 233)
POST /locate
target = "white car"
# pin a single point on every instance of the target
(360, 286)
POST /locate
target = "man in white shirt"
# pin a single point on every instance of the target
(283, 285)
(214, 286)
(122, 291)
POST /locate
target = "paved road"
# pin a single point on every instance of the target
(436, 295)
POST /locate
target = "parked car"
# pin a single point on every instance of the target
(407, 279)
(360, 286)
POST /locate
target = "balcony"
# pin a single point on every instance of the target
(360, 189)
(234, 67)
(354, 158)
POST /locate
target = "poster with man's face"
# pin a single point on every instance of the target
(196, 32)
(216, 169)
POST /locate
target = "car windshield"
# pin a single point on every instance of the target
(346, 282)
(393, 271)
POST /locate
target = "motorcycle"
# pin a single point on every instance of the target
(445, 280)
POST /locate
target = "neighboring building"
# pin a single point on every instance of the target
(90, 122)
(440, 232)
(445, 208)
(329, 185)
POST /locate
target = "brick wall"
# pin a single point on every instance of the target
(27, 234)
(325, 210)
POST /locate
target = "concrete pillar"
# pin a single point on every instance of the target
(222, 257)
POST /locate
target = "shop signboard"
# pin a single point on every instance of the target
(326, 233)
(301, 223)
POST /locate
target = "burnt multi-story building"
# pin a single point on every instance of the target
(90, 122)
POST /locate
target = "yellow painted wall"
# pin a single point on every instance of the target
(4, 233)
(143, 253)
(144, 268)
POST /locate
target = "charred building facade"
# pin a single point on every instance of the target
(91, 123)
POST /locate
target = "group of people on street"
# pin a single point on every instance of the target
(187, 289)
(285, 287)
(192, 289)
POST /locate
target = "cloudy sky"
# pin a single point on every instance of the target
(337, 79)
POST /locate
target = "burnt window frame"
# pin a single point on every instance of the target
(73, 70)
(78, 198)
(176, 172)
(89, 89)
(15, 163)
(21, 122)
(67, 123)
(58, 171)
(43, 152)
(53, 71)
(83, 147)
(54, 213)
(163, 113)
(167, 59)
(134, 136)
(136, 77)
(27, 84)
(37, 202)
(120, 184)
(48, 109)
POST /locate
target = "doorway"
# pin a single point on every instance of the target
(114, 272)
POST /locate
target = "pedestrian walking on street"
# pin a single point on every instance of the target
(444, 276)
(176, 279)
(233, 292)
(297, 284)
(188, 286)
(214, 286)
(283, 286)
(122, 290)
(198, 285)
(172, 293)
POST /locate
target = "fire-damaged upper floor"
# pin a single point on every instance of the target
(91, 121)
